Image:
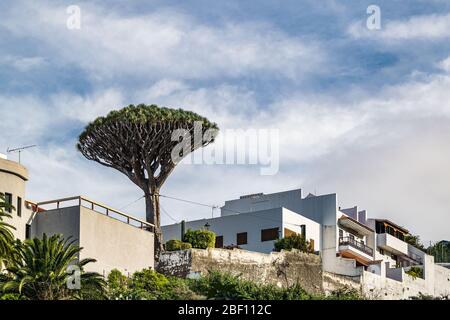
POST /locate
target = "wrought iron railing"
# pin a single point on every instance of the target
(355, 244)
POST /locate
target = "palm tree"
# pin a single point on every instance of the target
(6, 236)
(39, 271)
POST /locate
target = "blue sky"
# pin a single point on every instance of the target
(362, 113)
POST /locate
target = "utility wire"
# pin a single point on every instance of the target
(225, 209)
(205, 205)
(131, 203)
(167, 214)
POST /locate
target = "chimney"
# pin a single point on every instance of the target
(362, 216)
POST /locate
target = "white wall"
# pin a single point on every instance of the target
(293, 221)
(229, 226)
(13, 177)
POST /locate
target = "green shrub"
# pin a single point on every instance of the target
(225, 286)
(345, 293)
(10, 296)
(415, 272)
(175, 245)
(200, 239)
(293, 242)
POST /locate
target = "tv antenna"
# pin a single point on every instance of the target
(19, 150)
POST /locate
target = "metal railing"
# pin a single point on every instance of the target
(93, 205)
(355, 244)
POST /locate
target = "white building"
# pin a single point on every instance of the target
(349, 244)
(113, 238)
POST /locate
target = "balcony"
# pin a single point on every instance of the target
(353, 249)
(392, 244)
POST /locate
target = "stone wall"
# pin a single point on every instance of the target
(282, 269)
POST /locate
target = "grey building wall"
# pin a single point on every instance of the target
(113, 243)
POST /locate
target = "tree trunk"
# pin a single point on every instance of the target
(153, 216)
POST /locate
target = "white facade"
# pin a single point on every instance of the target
(252, 223)
(349, 243)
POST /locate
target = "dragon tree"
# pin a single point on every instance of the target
(143, 142)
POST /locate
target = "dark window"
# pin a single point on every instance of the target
(381, 251)
(219, 242)
(303, 228)
(27, 231)
(352, 237)
(269, 234)
(19, 206)
(341, 233)
(241, 238)
(8, 200)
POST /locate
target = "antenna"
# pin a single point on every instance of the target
(19, 150)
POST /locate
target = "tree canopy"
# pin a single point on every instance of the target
(141, 141)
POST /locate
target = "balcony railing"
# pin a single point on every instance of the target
(99, 208)
(347, 241)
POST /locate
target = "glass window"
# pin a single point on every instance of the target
(219, 242)
(19, 206)
(241, 238)
(8, 200)
(269, 234)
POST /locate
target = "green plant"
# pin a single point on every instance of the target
(148, 285)
(175, 245)
(345, 293)
(225, 286)
(138, 141)
(293, 242)
(6, 235)
(200, 239)
(415, 272)
(39, 271)
(414, 240)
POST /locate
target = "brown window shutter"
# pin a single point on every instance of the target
(241, 238)
(219, 242)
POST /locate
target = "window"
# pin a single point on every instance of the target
(27, 231)
(19, 206)
(341, 233)
(219, 242)
(303, 228)
(352, 237)
(241, 238)
(8, 200)
(269, 234)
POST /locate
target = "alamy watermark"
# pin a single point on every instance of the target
(259, 147)
(374, 20)
(73, 21)
(73, 281)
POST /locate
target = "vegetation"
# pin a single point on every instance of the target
(150, 285)
(200, 239)
(415, 272)
(293, 242)
(6, 235)
(138, 142)
(414, 240)
(38, 271)
(440, 251)
(175, 245)
(147, 285)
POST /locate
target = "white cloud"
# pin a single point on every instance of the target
(22, 64)
(163, 44)
(426, 27)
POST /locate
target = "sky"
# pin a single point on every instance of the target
(361, 113)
